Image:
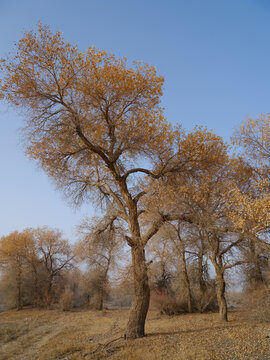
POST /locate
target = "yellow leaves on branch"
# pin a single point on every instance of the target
(89, 114)
(15, 246)
(56, 83)
(254, 136)
(249, 212)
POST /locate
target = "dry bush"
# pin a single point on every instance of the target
(206, 301)
(66, 299)
(256, 305)
(166, 303)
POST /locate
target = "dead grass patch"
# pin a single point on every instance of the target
(48, 335)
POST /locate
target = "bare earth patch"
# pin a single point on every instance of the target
(46, 335)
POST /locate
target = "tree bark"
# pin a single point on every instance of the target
(257, 277)
(181, 250)
(186, 280)
(202, 283)
(222, 303)
(102, 289)
(140, 305)
(217, 261)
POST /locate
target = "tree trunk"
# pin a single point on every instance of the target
(36, 297)
(217, 261)
(186, 280)
(202, 283)
(140, 305)
(19, 294)
(49, 291)
(99, 301)
(222, 303)
(258, 272)
(103, 285)
(257, 275)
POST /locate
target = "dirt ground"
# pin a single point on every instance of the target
(51, 334)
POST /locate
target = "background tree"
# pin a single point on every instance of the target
(254, 137)
(13, 260)
(100, 246)
(180, 245)
(160, 253)
(32, 261)
(200, 199)
(55, 255)
(255, 271)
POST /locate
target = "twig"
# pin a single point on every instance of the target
(103, 346)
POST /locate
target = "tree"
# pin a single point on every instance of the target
(251, 204)
(256, 269)
(14, 252)
(100, 244)
(180, 245)
(55, 255)
(254, 136)
(92, 123)
(160, 251)
(201, 198)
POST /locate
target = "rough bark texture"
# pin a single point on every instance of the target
(202, 283)
(255, 260)
(140, 305)
(217, 261)
(223, 312)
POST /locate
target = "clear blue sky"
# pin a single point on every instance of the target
(214, 55)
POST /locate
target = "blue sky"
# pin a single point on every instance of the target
(214, 55)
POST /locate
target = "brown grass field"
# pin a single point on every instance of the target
(51, 334)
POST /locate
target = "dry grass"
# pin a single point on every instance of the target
(46, 335)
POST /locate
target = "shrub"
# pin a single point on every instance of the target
(165, 302)
(256, 305)
(206, 301)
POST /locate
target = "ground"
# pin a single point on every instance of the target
(51, 334)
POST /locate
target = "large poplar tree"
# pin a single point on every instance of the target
(96, 127)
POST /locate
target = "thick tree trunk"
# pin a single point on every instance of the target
(217, 261)
(102, 289)
(187, 282)
(222, 303)
(202, 283)
(140, 305)
(258, 272)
